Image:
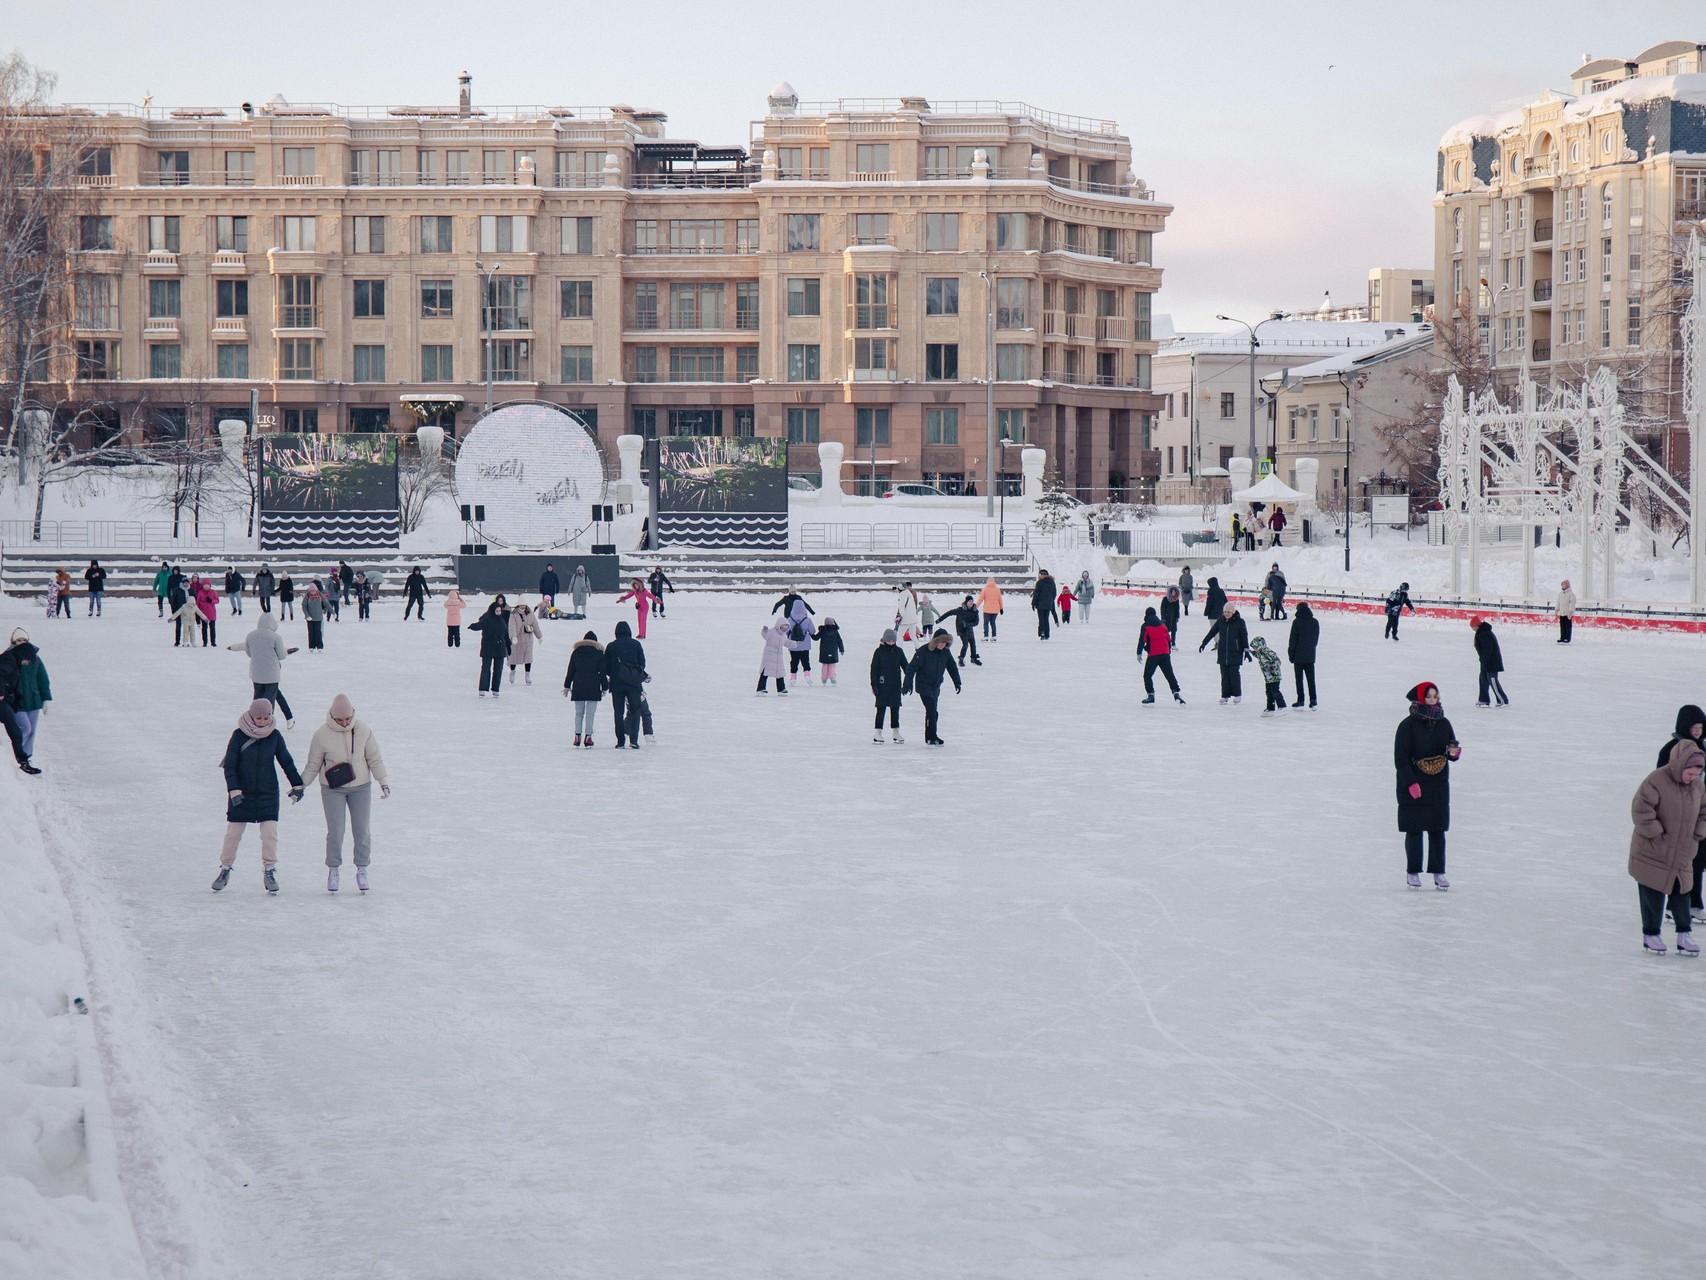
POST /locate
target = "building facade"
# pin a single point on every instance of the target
(1557, 226)
(1400, 295)
(856, 274)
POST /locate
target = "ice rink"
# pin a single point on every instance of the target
(1096, 990)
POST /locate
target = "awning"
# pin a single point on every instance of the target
(1269, 489)
(422, 397)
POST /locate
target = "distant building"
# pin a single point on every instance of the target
(1400, 294)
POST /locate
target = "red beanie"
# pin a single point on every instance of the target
(1420, 692)
(1474, 623)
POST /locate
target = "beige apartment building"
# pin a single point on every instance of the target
(1400, 295)
(855, 273)
(1557, 224)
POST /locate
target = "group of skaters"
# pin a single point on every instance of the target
(59, 591)
(191, 601)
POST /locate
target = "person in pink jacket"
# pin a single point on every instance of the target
(642, 603)
(207, 605)
(453, 606)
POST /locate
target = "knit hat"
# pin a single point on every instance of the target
(256, 722)
(1420, 692)
(1475, 622)
(342, 708)
(828, 622)
(20, 636)
(889, 636)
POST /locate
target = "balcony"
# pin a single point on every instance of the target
(160, 262)
(1079, 325)
(300, 180)
(1542, 231)
(694, 250)
(1542, 350)
(724, 375)
(291, 316)
(871, 315)
(161, 327)
(1543, 290)
(718, 180)
(874, 175)
(1691, 210)
(94, 180)
(1054, 324)
(1113, 329)
(230, 327)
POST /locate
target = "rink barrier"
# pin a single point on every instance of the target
(1619, 618)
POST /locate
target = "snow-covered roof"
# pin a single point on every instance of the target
(1270, 488)
(1290, 338)
(1417, 339)
(1685, 88)
(1487, 126)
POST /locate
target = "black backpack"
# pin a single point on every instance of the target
(798, 630)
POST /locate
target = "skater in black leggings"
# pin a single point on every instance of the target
(888, 679)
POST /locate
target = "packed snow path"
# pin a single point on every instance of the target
(1095, 990)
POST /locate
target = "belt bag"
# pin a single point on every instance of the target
(1433, 766)
(340, 775)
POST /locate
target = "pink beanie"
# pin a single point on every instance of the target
(342, 707)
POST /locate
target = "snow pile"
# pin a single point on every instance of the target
(60, 1213)
(1685, 88)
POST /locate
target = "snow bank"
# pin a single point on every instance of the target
(61, 1213)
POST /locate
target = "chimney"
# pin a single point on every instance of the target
(464, 94)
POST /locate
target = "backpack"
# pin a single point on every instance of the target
(798, 630)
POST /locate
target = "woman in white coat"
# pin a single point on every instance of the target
(906, 612)
(523, 631)
(344, 755)
(774, 665)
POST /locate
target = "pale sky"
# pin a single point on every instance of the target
(1296, 140)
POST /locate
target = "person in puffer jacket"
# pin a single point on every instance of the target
(344, 755)
(267, 652)
(1669, 814)
(1268, 662)
(1155, 638)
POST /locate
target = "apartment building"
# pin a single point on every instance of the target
(1557, 224)
(856, 272)
(1400, 295)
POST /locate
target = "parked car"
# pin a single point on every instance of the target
(912, 489)
(799, 484)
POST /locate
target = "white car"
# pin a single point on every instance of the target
(913, 489)
(799, 484)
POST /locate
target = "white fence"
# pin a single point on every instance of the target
(110, 535)
(922, 536)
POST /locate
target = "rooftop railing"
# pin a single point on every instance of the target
(959, 107)
(335, 111)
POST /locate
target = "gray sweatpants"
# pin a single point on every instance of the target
(359, 803)
(584, 712)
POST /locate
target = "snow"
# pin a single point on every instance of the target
(1290, 337)
(1681, 88)
(1094, 991)
(1346, 360)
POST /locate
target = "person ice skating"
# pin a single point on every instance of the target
(177, 587)
(23, 675)
(1276, 525)
(1262, 604)
(184, 618)
(11, 679)
(493, 626)
(1566, 611)
(1396, 602)
(1492, 663)
(162, 576)
(253, 756)
(523, 631)
(906, 611)
(642, 606)
(363, 596)
(549, 587)
(990, 605)
(344, 756)
(1231, 651)
(267, 652)
(1690, 726)
(924, 675)
(1214, 602)
(830, 647)
(1300, 649)
(345, 581)
(774, 664)
(888, 683)
(314, 614)
(1252, 522)
(625, 674)
(1275, 584)
(59, 594)
(963, 619)
(96, 579)
(584, 684)
(1170, 605)
(1187, 589)
(657, 583)
(454, 604)
(207, 604)
(801, 633)
(1669, 812)
(1268, 662)
(1043, 602)
(266, 586)
(234, 585)
(580, 590)
(416, 591)
(785, 605)
(1066, 600)
(927, 613)
(331, 596)
(1423, 750)
(286, 598)
(1155, 647)
(1085, 594)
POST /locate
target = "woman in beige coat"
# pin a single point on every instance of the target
(1670, 820)
(523, 631)
(345, 745)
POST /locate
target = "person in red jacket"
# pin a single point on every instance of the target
(1066, 600)
(1155, 640)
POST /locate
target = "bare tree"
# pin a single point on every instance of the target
(421, 480)
(1412, 440)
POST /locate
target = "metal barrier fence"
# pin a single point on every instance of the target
(108, 535)
(928, 536)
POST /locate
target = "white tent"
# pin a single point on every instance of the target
(1270, 488)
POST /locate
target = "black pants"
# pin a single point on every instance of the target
(417, 603)
(890, 705)
(1565, 626)
(14, 735)
(491, 674)
(645, 709)
(1162, 663)
(452, 637)
(1391, 626)
(287, 608)
(316, 637)
(62, 605)
(781, 684)
(1276, 699)
(989, 625)
(1304, 671)
(273, 694)
(209, 631)
(1066, 615)
(1413, 853)
(625, 705)
(1231, 681)
(799, 660)
(1653, 910)
(968, 640)
(1694, 899)
(160, 606)
(364, 605)
(347, 588)
(1490, 684)
(1043, 617)
(1278, 607)
(929, 698)
(1185, 601)
(266, 604)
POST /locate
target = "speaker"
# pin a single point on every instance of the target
(479, 514)
(467, 515)
(607, 514)
(604, 548)
(466, 549)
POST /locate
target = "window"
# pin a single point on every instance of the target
(172, 168)
(94, 232)
(871, 228)
(95, 162)
(941, 426)
(575, 236)
(231, 360)
(1108, 243)
(746, 363)
(494, 166)
(937, 164)
(645, 305)
(1605, 260)
(165, 360)
(1505, 334)
(1142, 306)
(804, 296)
(1457, 229)
(1229, 404)
(1012, 362)
(1484, 227)
(432, 167)
(1291, 416)
(1314, 422)
(803, 425)
(1634, 331)
(871, 309)
(239, 168)
(697, 235)
(791, 164)
(695, 306)
(1605, 322)
(577, 364)
(941, 232)
(299, 162)
(873, 359)
(645, 235)
(97, 359)
(164, 234)
(438, 363)
(230, 298)
(803, 233)
(508, 303)
(646, 423)
(165, 299)
(437, 234)
(231, 234)
(746, 235)
(1011, 295)
(97, 302)
(1605, 143)
(746, 304)
(511, 360)
(298, 302)
(871, 157)
(369, 235)
(696, 364)
(645, 364)
(369, 364)
(456, 168)
(1142, 372)
(1564, 267)
(576, 298)
(1013, 425)
(803, 362)
(1337, 411)
(298, 234)
(1605, 204)
(503, 233)
(871, 426)
(1507, 208)
(369, 299)
(942, 361)
(1012, 233)
(437, 297)
(1634, 261)
(942, 296)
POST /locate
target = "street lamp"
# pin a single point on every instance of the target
(1001, 527)
(1254, 343)
(1347, 387)
(989, 391)
(488, 311)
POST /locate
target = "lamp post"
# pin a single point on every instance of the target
(1347, 387)
(989, 391)
(488, 311)
(1254, 343)
(1001, 528)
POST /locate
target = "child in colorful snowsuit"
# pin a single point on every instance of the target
(1269, 663)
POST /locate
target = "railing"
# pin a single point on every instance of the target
(1054, 324)
(1691, 209)
(926, 536)
(109, 535)
(1540, 166)
(94, 180)
(717, 181)
(871, 315)
(649, 377)
(324, 110)
(1542, 230)
(887, 240)
(959, 107)
(291, 316)
(872, 175)
(665, 250)
(1079, 325)
(1112, 328)
(300, 180)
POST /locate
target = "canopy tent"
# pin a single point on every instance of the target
(1270, 488)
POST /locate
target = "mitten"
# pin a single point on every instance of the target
(1415, 791)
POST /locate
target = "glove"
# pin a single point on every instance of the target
(234, 795)
(1415, 791)
(295, 794)
(384, 790)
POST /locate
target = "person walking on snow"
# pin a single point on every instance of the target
(1231, 650)
(314, 614)
(286, 599)
(927, 613)
(162, 576)
(1268, 662)
(1156, 641)
(29, 692)
(888, 682)
(1275, 584)
(549, 585)
(493, 626)
(801, 632)
(1214, 603)
(1690, 725)
(344, 755)
(96, 578)
(364, 592)
(265, 586)
(1085, 594)
(773, 666)
(625, 673)
(830, 647)
(580, 589)
(267, 652)
(1170, 613)
(1423, 750)
(454, 604)
(1043, 602)
(415, 591)
(584, 684)
(964, 620)
(1187, 589)
(1669, 813)
(924, 676)
(642, 607)
(657, 584)
(234, 585)
(906, 611)
(11, 680)
(1566, 611)
(1300, 649)
(330, 596)
(1065, 600)
(1396, 602)
(1492, 662)
(523, 631)
(989, 604)
(1276, 523)
(59, 594)
(253, 755)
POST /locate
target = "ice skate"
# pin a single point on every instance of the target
(269, 880)
(1224, 701)
(1413, 880)
(1441, 883)
(898, 738)
(361, 878)
(1267, 713)
(1178, 699)
(588, 741)
(1653, 943)
(527, 677)
(482, 693)
(1237, 700)
(877, 738)
(1686, 946)
(331, 879)
(1149, 699)
(222, 879)
(28, 768)
(577, 739)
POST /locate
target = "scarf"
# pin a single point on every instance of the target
(256, 722)
(1425, 712)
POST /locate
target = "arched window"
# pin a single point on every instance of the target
(1457, 229)
(1605, 204)
(1457, 174)
(1605, 142)
(1575, 153)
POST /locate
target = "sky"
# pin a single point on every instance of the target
(1295, 141)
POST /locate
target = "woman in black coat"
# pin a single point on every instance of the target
(584, 684)
(830, 647)
(888, 679)
(253, 756)
(1170, 613)
(1300, 649)
(1231, 650)
(493, 626)
(1492, 662)
(1422, 752)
